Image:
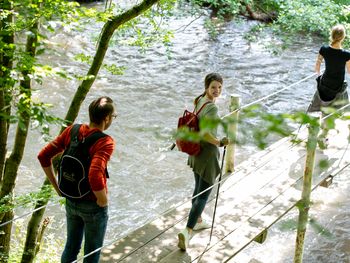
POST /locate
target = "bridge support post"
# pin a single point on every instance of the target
(232, 132)
(304, 203)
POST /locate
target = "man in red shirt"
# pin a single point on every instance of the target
(86, 216)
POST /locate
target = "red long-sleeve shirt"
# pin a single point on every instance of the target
(100, 153)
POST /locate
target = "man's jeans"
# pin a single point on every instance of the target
(88, 219)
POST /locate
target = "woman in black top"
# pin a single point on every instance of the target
(331, 88)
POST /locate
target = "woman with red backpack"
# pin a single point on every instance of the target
(205, 165)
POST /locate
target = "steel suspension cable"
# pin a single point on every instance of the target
(270, 95)
(188, 199)
(162, 214)
(244, 106)
(181, 204)
(219, 182)
(26, 214)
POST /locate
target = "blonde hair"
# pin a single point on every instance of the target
(337, 34)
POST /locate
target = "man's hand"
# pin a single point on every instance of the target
(102, 199)
(51, 176)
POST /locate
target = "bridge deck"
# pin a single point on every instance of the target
(262, 189)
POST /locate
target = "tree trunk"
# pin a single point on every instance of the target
(259, 16)
(10, 175)
(80, 94)
(13, 162)
(6, 62)
(5, 239)
(107, 33)
(33, 230)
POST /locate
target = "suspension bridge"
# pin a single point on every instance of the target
(253, 196)
(258, 193)
(263, 189)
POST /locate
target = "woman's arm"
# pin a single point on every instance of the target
(348, 66)
(318, 64)
(211, 139)
(212, 113)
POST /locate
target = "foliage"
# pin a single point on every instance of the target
(221, 7)
(290, 18)
(53, 14)
(304, 16)
(46, 253)
(113, 69)
(291, 225)
(278, 125)
(26, 200)
(135, 33)
(58, 13)
(26, 14)
(320, 229)
(27, 67)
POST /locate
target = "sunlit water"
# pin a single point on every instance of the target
(147, 178)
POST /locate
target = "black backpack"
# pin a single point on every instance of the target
(73, 169)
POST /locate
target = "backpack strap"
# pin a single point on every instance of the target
(74, 133)
(92, 138)
(88, 141)
(202, 107)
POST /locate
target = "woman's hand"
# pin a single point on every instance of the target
(224, 141)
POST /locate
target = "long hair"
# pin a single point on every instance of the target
(208, 79)
(337, 34)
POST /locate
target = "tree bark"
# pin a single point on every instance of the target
(5, 239)
(79, 97)
(13, 162)
(33, 230)
(107, 33)
(259, 16)
(6, 61)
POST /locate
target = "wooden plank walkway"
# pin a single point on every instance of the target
(262, 189)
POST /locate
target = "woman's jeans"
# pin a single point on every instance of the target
(199, 202)
(84, 218)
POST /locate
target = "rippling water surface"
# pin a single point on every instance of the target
(146, 178)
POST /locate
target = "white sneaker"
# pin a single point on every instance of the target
(183, 239)
(201, 225)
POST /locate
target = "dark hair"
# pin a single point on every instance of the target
(209, 79)
(99, 109)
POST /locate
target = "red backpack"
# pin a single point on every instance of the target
(191, 121)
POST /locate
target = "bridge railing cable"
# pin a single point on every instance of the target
(190, 198)
(28, 213)
(209, 188)
(270, 95)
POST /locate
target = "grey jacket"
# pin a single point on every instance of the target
(206, 163)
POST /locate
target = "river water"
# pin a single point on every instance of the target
(147, 178)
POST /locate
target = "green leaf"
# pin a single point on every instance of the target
(320, 229)
(288, 225)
